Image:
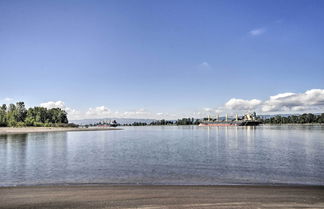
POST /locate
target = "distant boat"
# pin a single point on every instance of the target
(246, 120)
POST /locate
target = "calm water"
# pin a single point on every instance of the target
(166, 155)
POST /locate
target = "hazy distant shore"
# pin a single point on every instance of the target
(125, 196)
(295, 124)
(24, 130)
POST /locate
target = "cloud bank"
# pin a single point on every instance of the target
(241, 104)
(311, 100)
(308, 101)
(102, 112)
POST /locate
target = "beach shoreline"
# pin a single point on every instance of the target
(168, 196)
(26, 130)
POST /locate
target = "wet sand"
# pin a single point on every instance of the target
(124, 196)
(24, 130)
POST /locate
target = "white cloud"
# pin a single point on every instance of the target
(140, 113)
(204, 66)
(98, 112)
(241, 104)
(103, 112)
(309, 101)
(8, 99)
(51, 104)
(257, 31)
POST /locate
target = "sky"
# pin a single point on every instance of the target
(163, 59)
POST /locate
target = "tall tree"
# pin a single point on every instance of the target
(21, 112)
(12, 115)
(3, 115)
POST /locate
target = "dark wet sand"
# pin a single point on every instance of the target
(109, 196)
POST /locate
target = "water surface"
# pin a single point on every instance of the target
(166, 155)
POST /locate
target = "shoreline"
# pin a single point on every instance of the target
(26, 130)
(108, 184)
(162, 196)
(293, 124)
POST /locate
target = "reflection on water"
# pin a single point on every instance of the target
(24, 157)
(166, 155)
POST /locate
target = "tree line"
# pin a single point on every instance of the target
(297, 119)
(292, 119)
(17, 115)
(163, 122)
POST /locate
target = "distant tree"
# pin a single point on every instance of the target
(3, 116)
(161, 122)
(31, 117)
(40, 114)
(21, 112)
(139, 124)
(301, 119)
(321, 118)
(18, 115)
(56, 115)
(185, 121)
(12, 115)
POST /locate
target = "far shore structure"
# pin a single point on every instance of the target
(246, 120)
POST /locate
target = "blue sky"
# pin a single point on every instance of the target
(160, 57)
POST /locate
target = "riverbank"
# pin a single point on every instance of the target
(25, 130)
(124, 196)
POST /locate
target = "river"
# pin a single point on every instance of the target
(178, 155)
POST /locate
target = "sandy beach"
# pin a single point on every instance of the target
(125, 196)
(24, 130)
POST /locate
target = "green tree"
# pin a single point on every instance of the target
(12, 115)
(304, 118)
(3, 116)
(21, 112)
(40, 114)
(31, 117)
(321, 118)
(18, 115)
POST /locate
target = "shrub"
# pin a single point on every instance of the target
(12, 123)
(20, 124)
(38, 124)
